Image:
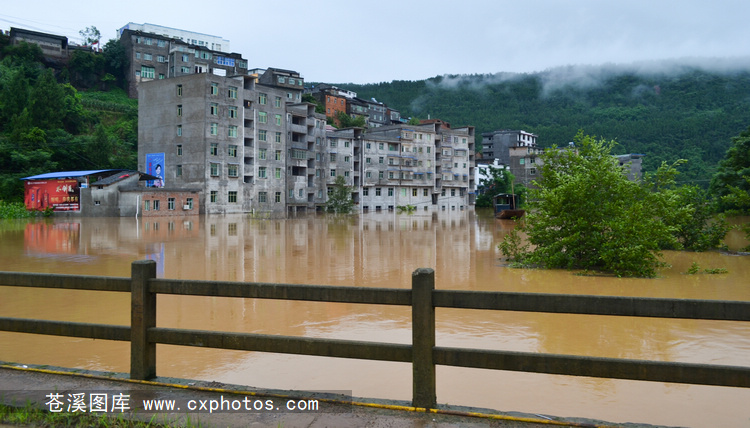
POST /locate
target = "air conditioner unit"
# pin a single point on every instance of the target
(186, 207)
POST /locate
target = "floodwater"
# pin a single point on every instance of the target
(377, 250)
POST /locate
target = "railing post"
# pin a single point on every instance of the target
(423, 338)
(143, 317)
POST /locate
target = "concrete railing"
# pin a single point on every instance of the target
(143, 333)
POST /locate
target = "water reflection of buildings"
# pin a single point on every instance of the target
(376, 249)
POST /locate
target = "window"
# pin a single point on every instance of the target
(179, 150)
(262, 117)
(214, 196)
(380, 175)
(381, 159)
(453, 192)
(346, 159)
(137, 55)
(214, 169)
(214, 129)
(189, 203)
(148, 57)
(262, 172)
(333, 173)
(262, 196)
(377, 191)
(232, 196)
(162, 76)
(179, 110)
(178, 171)
(161, 43)
(232, 131)
(185, 70)
(332, 143)
(214, 151)
(156, 205)
(232, 92)
(277, 138)
(147, 205)
(277, 197)
(277, 102)
(278, 120)
(170, 204)
(380, 146)
(414, 192)
(214, 88)
(282, 79)
(179, 131)
(214, 109)
(161, 58)
(368, 160)
(332, 157)
(232, 150)
(277, 173)
(262, 154)
(232, 170)
(262, 98)
(262, 135)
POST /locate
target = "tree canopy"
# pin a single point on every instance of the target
(586, 214)
(340, 199)
(731, 183)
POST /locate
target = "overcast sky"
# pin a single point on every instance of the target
(356, 41)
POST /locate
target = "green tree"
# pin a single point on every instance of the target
(14, 96)
(587, 215)
(500, 181)
(47, 102)
(116, 61)
(346, 121)
(86, 69)
(91, 35)
(732, 177)
(340, 200)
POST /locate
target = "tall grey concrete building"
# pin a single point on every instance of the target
(156, 52)
(248, 144)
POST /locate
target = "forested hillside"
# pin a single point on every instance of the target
(675, 112)
(55, 118)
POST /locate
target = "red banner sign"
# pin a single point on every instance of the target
(60, 195)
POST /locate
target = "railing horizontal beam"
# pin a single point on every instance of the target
(282, 344)
(66, 328)
(573, 365)
(261, 290)
(594, 305)
(72, 282)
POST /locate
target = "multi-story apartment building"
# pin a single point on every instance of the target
(247, 144)
(497, 144)
(156, 52)
(428, 166)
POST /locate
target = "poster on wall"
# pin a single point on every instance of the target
(60, 195)
(155, 166)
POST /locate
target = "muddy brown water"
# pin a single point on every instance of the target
(378, 250)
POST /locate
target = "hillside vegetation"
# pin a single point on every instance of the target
(664, 111)
(61, 118)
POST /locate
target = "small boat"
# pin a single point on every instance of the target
(506, 206)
